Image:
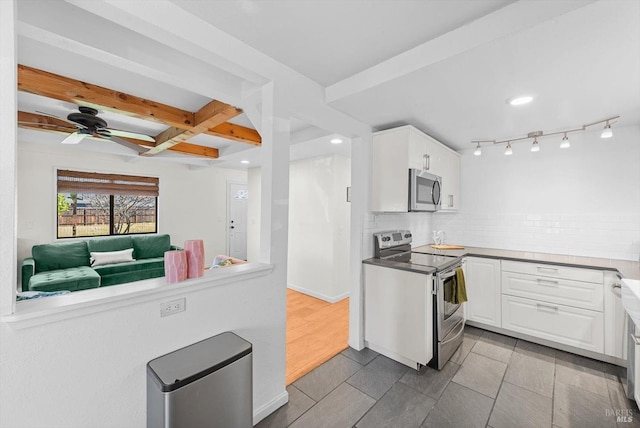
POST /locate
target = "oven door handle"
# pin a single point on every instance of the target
(461, 323)
(448, 274)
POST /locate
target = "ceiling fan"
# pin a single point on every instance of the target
(87, 124)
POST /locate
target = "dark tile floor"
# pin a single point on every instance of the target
(492, 381)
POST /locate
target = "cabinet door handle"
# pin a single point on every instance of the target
(635, 339)
(616, 285)
(450, 201)
(548, 269)
(426, 162)
(540, 305)
(548, 281)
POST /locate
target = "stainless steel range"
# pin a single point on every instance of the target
(448, 319)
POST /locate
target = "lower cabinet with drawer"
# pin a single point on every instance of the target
(586, 295)
(570, 306)
(568, 325)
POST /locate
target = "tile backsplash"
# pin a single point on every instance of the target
(607, 236)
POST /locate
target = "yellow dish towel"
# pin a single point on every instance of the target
(459, 288)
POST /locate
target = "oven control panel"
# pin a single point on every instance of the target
(392, 238)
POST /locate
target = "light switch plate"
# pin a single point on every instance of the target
(173, 307)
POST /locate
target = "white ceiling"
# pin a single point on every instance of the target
(444, 66)
(330, 40)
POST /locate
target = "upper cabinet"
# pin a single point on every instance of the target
(397, 150)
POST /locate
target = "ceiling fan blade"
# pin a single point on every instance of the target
(74, 138)
(134, 135)
(126, 144)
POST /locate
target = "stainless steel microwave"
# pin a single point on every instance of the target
(424, 191)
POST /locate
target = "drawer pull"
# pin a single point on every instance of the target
(548, 269)
(616, 285)
(541, 306)
(547, 281)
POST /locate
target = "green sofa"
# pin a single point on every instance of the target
(67, 266)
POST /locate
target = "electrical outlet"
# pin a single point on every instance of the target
(172, 307)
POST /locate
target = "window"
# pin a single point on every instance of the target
(94, 204)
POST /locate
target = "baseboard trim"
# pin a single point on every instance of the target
(549, 343)
(265, 410)
(330, 299)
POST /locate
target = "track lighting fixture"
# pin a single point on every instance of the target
(607, 132)
(535, 147)
(508, 151)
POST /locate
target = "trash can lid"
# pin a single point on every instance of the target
(188, 364)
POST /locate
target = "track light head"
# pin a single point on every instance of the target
(565, 144)
(478, 150)
(508, 151)
(607, 132)
(535, 147)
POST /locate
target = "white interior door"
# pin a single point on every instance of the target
(237, 220)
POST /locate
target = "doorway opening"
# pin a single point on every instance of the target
(318, 270)
(237, 197)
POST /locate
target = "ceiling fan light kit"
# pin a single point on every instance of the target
(607, 132)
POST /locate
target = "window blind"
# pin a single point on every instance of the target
(111, 184)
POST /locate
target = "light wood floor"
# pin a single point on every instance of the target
(316, 331)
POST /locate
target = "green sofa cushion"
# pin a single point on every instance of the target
(61, 255)
(112, 243)
(134, 266)
(150, 246)
(123, 277)
(72, 279)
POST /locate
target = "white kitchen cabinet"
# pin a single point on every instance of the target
(482, 278)
(615, 318)
(581, 294)
(553, 302)
(397, 150)
(398, 314)
(445, 163)
(554, 271)
(567, 325)
(451, 183)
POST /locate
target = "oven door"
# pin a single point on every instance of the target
(449, 313)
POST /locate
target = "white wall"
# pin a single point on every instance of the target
(319, 227)
(90, 371)
(253, 214)
(582, 201)
(192, 202)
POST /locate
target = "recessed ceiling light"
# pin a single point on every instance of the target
(336, 141)
(518, 101)
(245, 162)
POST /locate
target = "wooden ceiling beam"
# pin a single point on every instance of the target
(65, 89)
(231, 131)
(211, 115)
(62, 88)
(45, 123)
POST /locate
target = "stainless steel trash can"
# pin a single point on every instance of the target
(207, 384)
